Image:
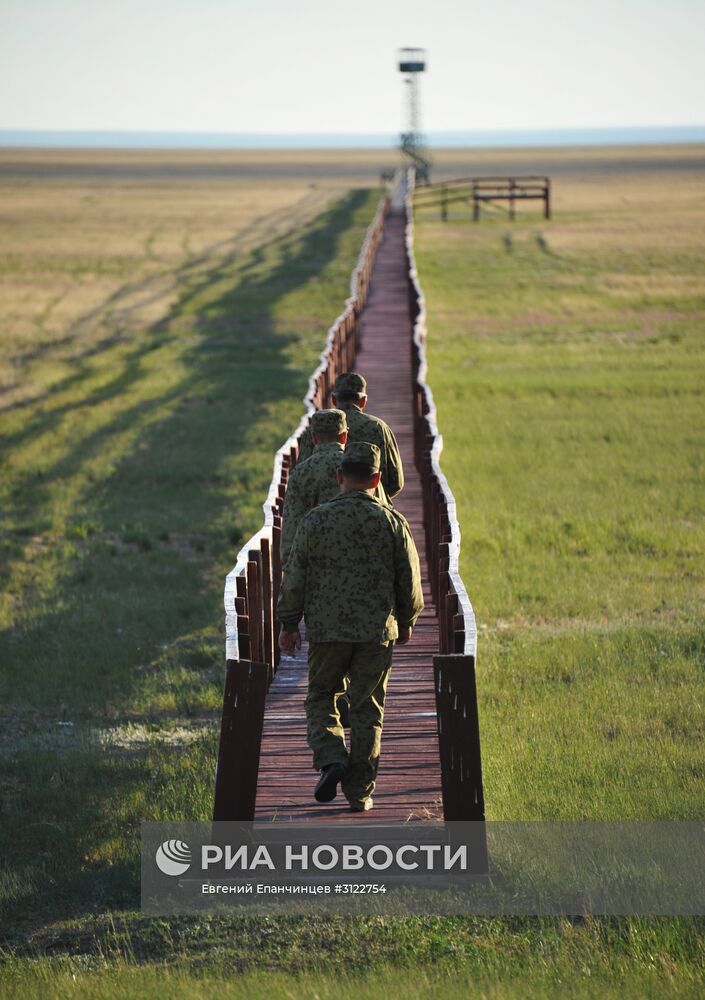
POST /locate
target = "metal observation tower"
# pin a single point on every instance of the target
(411, 63)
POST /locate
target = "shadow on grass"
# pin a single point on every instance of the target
(114, 321)
(139, 576)
(70, 839)
(133, 629)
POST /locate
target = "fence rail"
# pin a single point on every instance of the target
(458, 631)
(252, 586)
(454, 668)
(481, 190)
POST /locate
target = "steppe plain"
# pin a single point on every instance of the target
(161, 313)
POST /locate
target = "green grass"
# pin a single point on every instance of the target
(568, 375)
(130, 481)
(569, 388)
(112, 983)
(134, 476)
(368, 957)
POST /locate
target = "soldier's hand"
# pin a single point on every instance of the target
(404, 636)
(289, 642)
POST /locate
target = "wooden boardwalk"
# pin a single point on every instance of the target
(409, 779)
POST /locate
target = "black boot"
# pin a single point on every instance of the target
(327, 787)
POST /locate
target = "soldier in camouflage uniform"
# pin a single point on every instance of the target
(350, 394)
(314, 481)
(353, 572)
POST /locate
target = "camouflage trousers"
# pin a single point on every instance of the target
(367, 666)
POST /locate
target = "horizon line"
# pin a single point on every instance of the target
(175, 138)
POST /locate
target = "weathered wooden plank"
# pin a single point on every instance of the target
(409, 779)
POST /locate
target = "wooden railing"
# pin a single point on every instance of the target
(454, 668)
(482, 190)
(252, 586)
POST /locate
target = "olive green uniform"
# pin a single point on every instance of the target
(353, 572)
(364, 427)
(311, 483)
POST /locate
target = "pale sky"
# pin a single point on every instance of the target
(328, 66)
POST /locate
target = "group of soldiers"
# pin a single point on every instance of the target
(351, 570)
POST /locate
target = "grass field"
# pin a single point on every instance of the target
(163, 315)
(140, 417)
(567, 363)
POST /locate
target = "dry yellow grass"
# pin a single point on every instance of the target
(96, 238)
(610, 206)
(121, 535)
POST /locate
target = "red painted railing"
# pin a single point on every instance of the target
(454, 668)
(252, 586)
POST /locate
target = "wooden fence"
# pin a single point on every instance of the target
(454, 668)
(252, 587)
(483, 190)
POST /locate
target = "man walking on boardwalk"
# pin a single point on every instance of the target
(350, 395)
(314, 481)
(353, 573)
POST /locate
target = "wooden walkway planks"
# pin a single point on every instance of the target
(409, 779)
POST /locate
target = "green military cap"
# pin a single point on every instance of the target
(363, 453)
(328, 422)
(350, 382)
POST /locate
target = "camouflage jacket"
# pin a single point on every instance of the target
(363, 426)
(353, 572)
(311, 483)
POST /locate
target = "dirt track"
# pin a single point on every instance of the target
(353, 167)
